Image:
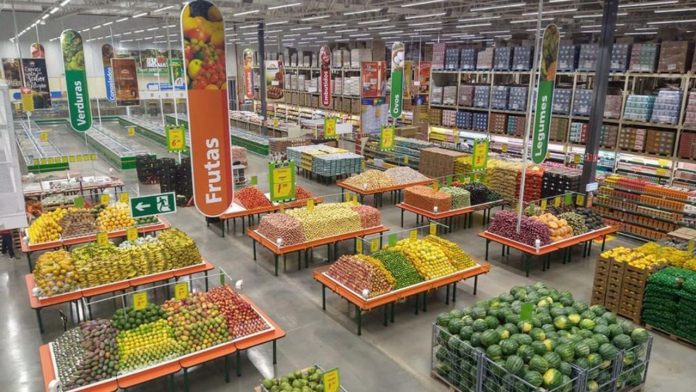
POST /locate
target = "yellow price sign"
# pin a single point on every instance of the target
(102, 238)
(44, 161)
(436, 185)
(176, 140)
(28, 102)
(663, 162)
(64, 159)
(363, 164)
(123, 197)
(181, 290)
(386, 139)
(544, 204)
(580, 200)
(85, 157)
(282, 208)
(71, 158)
(358, 246)
(93, 157)
(374, 245)
(36, 162)
(433, 229)
(310, 204)
(78, 157)
(282, 182)
(131, 131)
(455, 134)
(413, 235)
(504, 148)
(43, 136)
(51, 161)
(557, 201)
(140, 300)
(132, 234)
(331, 380)
(661, 171)
(577, 159)
(104, 198)
(548, 154)
(330, 128)
(275, 122)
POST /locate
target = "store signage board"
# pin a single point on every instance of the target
(386, 138)
(209, 135)
(331, 380)
(248, 56)
(79, 108)
(160, 204)
(176, 138)
(480, 159)
(396, 96)
(325, 76)
(281, 180)
(547, 79)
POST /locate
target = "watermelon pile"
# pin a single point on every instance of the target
(558, 346)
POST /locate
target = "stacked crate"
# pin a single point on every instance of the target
(449, 118)
(498, 124)
(619, 57)
(560, 180)
(643, 57)
(517, 98)
(582, 102)
(522, 58)
(503, 59)
(612, 299)
(561, 100)
(608, 136)
(480, 122)
(601, 279)
(632, 139)
(452, 59)
(632, 290)
(687, 145)
(567, 58)
(434, 116)
(612, 106)
(484, 59)
(464, 120)
(516, 125)
(588, 57)
(437, 162)
(675, 56)
(466, 95)
(481, 96)
(559, 128)
(500, 97)
(467, 59)
(659, 142)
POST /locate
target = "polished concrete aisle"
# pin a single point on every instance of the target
(393, 358)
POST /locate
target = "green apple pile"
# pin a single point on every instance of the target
(307, 380)
(129, 318)
(146, 345)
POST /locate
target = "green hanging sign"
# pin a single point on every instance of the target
(76, 80)
(547, 80)
(396, 95)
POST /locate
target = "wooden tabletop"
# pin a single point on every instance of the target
(552, 247)
(281, 250)
(446, 214)
(366, 192)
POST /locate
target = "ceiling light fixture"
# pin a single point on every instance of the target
(107, 24)
(429, 29)
(672, 21)
(390, 32)
(139, 15)
(316, 33)
(473, 25)
(315, 17)
(54, 10)
(152, 28)
(345, 31)
(426, 23)
(248, 26)
(381, 27)
(332, 36)
(641, 33)
(425, 16)
(497, 7)
(333, 26)
(494, 32)
(596, 15)
(478, 18)
(301, 28)
(250, 33)
(648, 4)
(277, 7)
(121, 20)
(549, 12)
(361, 12)
(421, 3)
(645, 28)
(163, 9)
(528, 20)
(359, 35)
(277, 23)
(138, 31)
(64, 3)
(668, 10)
(364, 22)
(246, 13)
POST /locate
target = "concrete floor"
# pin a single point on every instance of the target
(393, 358)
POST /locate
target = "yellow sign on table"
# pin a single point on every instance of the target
(436, 185)
(544, 204)
(580, 200)
(36, 162)
(663, 162)
(358, 246)
(71, 158)
(557, 201)
(282, 208)
(374, 245)
(44, 161)
(181, 290)
(331, 380)
(504, 148)
(140, 300)
(85, 157)
(413, 235)
(132, 234)
(51, 161)
(131, 131)
(433, 229)
(123, 197)
(310, 204)
(43, 136)
(282, 182)
(93, 157)
(28, 102)
(104, 198)
(330, 128)
(78, 157)
(102, 238)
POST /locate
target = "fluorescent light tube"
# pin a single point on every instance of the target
(277, 23)
(64, 3)
(548, 12)
(528, 20)
(361, 12)
(421, 3)
(426, 23)
(473, 25)
(668, 10)
(315, 17)
(121, 20)
(333, 26)
(248, 26)
(497, 7)
(276, 7)
(139, 15)
(648, 4)
(163, 9)
(345, 31)
(301, 28)
(479, 18)
(672, 21)
(246, 13)
(364, 22)
(425, 16)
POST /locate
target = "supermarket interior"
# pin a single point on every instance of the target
(310, 196)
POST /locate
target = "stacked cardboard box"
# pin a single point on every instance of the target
(559, 180)
(675, 56)
(619, 57)
(516, 125)
(643, 57)
(608, 136)
(518, 98)
(439, 56)
(467, 59)
(466, 95)
(438, 162)
(452, 59)
(500, 97)
(449, 95)
(588, 57)
(434, 116)
(639, 107)
(690, 112)
(558, 130)
(449, 118)
(522, 58)
(612, 106)
(632, 139)
(464, 120)
(667, 105)
(502, 59)
(578, 132)
(481, 96)
(484, 59)
(480, 122)
(498, 123)
(687, 145)
(660, 142)
(436, 93)
(357, 56)
(567, 58)
(582, 102)
(561, 100)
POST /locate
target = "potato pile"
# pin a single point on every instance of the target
(427, 198)
(77, 222)
(370, 179)
(359, 275)
(430, 261)
(369, 216)
(460, 197)
(327, 220)
(283, 226)
(501, 177)
(456, 256)
(558, 228)
(404, 175)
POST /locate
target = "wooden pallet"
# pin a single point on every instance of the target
(637, 388)
(450, 387)
(671, 336)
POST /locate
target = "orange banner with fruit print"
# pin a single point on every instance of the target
(203, 38)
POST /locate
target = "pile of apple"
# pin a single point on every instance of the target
(242, 319)
(197, 323)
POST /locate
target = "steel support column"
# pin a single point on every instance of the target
(262, 70)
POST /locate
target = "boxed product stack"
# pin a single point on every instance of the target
(619, 57)
(501, 176)
(690, 111)
(279, 145)
(659, 142)
(345, 58)
(498, 123)
(481, 96)
(518, 98)
(522, 58)
(643, 57)
(588, 57)
(449, 118)
(500, 97)
(612, 106)
(351, 86)
(558, 130)
(639, 107)
(567, 58)
(608, 136)
(336, 60)
(434, 116)
(467, 59)
(687, 145)
(559, 180)
(578, 132)
(464, 120)
(582, 103)
(561, 100)
(439, 56)
(466, 95)
(533, 180)
(484, 59)
(666, 107)
(437, 162)
(675, 56)
(357, 56)
(502, 59)
(516, 125)
(436, 94)
(337, 85)
(339, 164)
(480, 122)
(449, 95)
(632, 139)
(452, 59)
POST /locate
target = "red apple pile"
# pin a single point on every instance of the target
(197, 322)
(242, 319)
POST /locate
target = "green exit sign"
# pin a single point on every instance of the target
(160, 204)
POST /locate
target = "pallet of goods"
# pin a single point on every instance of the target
(437, 162)
(669, 304)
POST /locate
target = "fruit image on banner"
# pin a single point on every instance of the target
(274, 81)
(76, 80)
(325, 76)
(408, 80)
(547, 79)
(125, 81)
(248, 74)
(107, 55)
(37, 51)
(396, 100)
(203, 40)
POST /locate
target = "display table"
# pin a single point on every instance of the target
(307, 247)
(28, 249)
(171, 367)
(564, 245)
(378, 193)
(449, 216)
(93, 185)
(389, 299)
(86, 294)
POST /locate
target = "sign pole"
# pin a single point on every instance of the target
(171, 73)
(525, 142)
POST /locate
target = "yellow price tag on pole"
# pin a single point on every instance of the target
(132, 233)
(557, 201)
(413, 235)
(330, 128)
(102, 238)
(374, 245)
(433, 229)
(544, 204)
(123, 197)
(181, 290)
(455, 134)
(43, 136)
(104, 198)
(140, 300)
(331, 380)
(580, 200)
(310, 204)
(358, 246)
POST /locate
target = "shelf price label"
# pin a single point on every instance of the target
(93, 157)
(131, 131)
(504, 148)
(104, 198)
(374, 245)
(331, 380)
(544, 204)
(433, 229)
(102, 238)
(386, 138)
(275, 122)
(436, 185)
(413, 235)
(282, 208)
(132, 233)
(480, 159)
(330, 127)
(140, 300)
(576, 159)
(310, 205)
(253, 180)
(181, 290)
(580, 200)
(281, 178)
(123, 197)
(557, 201)
(455, 133)
(660, 171)
(358, 246)
(405, 159)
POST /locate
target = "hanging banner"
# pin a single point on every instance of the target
(386, 138)
(408, 80)
(37, 51)
(36, 80)
(76, 80)
(281, 181)
(248, 74)
(547, 79)
(423, 78)
(480, 158)
(208, 117)
(274, 81)
(325, 76)
(125, 81)
(11, 68)
(372, 77)
(107, 55)
(396, 96)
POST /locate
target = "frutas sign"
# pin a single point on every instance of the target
(208, 118)
(325, 76)
(547, 80)
(76, 80)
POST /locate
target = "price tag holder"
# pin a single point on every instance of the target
(576, 159)
(392, 239)
(123, 197)
(580, 200)
(43, 136)
(140, 300)
(544, 204)
(254, 180)
(331, 380)
(405, 159)
(104, 198)
(132, 234)
(310, 204)
(358, 246)
(131, 131)
(436, 185)
(181, 290)
(433, 229)
(691, 246)
(374, 245)
(504, 148)
(413, 235)
(102, 238)
(557, 201)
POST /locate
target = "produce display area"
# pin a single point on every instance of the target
(377, 183)
(39, 154)
(311, 378)
(538, 338)
(327, 163)
(253, 142)
(149, 128)
(407, 152)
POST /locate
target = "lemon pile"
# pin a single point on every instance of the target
(115, 217)
(46, 227)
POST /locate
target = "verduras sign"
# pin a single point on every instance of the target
(76, 80)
